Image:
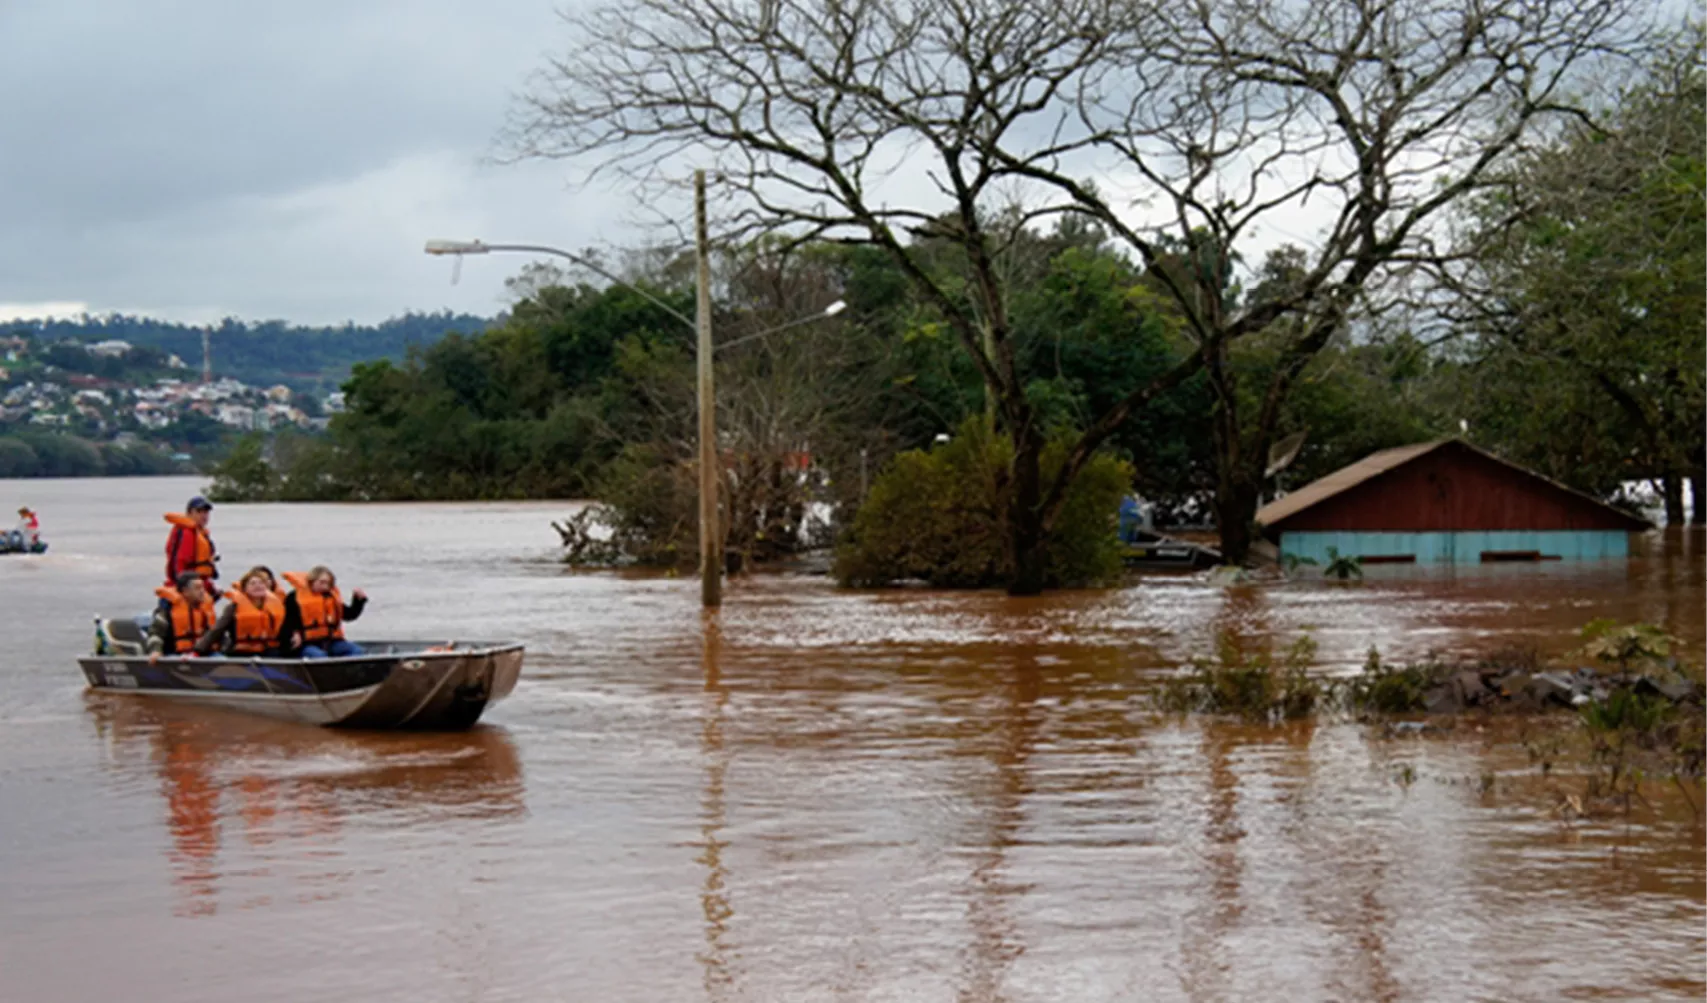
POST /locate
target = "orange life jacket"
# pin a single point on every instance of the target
(256, 628)
(189, 622)
(322, 615)
(200, 561)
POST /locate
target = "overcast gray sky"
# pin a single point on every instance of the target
(195, 159)
(202, 158)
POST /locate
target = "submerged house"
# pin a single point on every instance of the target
(1444, 502)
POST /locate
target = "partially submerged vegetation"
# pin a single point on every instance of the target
(1635, 715)
(941, 516)
(1639, 709)
(1255, 685)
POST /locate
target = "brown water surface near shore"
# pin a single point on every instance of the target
(814, 794)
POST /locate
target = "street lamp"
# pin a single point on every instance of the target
(710, 540)
(824, 314)
(461, 247)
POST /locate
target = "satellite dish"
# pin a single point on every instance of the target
(1282, 453)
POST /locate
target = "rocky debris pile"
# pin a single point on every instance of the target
(1521, 689)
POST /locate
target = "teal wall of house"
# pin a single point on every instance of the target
(1462, 547)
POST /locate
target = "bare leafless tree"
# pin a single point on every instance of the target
(1208, 126)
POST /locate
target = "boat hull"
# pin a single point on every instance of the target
(391, 685)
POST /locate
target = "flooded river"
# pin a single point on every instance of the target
(814, 795)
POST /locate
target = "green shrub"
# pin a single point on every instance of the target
(650, 502)
(1344, 568)
(941, 516)
(1251, 686)
(1386, 689)
(1626, 648)
(244, 475)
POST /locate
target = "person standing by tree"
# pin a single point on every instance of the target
(188, 545)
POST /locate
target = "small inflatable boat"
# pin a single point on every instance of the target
(13, 543)
(392, 684)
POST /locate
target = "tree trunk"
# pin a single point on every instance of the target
(1025, 517)
(1235, 511)
(1698, 497)
(1674, 498)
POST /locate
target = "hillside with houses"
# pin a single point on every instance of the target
(73, 408)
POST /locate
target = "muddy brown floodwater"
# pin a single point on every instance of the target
(816, 795)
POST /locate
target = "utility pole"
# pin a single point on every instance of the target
(710, 537)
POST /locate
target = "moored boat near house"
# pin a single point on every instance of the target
(1444, 502)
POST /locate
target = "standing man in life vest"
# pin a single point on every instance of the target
(189, 547)
(315, 609)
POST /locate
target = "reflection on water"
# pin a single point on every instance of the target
(286, 789)
(714, 900)
(815, 794)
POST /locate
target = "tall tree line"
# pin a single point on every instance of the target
(905, 126)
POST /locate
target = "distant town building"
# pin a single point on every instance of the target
(279, 394)
(111, 349)
(235, 415)
(1444, 502)
(334, 402)
(151, 415)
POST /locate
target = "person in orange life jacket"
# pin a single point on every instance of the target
(185, 613)
(252, 622)
(29, 528)
(315, 609)
(188, 545)
(272, 581)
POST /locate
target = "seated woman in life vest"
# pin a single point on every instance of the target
(185, 613)
(272, 581)
(315, 609)
(252, 622)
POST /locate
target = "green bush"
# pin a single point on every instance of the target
(941, 516)
(1254, 687)
(650, 501)
(17, 459)
(1389, 689)
(244, 474)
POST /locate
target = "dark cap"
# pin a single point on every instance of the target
(198, 502)
(185, 578)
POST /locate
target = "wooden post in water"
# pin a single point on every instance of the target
(710, 538)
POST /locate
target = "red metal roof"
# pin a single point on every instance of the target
(1408, 506)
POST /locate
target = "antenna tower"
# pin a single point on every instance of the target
(207, 355)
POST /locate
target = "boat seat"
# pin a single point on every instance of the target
(122, 635)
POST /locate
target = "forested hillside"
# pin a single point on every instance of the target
(266, 352)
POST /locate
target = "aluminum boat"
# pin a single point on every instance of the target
(392, 684)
